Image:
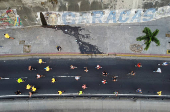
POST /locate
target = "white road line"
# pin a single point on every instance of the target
(4, 78)
(64, 76)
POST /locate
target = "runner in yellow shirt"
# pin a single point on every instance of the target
(28, 86)
(159, 93)
(53, 80)
(40, 61)
(60, 92)
(34, 89)
(48, 68)
(20, 80)
(7, 36)
(80, 92)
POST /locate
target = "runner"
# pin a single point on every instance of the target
(138, 65)
(60, 92)
(104, 73)
(31, 68)
(116, 93)
(34, 89)
(159, 93)
(139, 90)
(164, 64)
(80, 92)
(28, 86)
(132, 73)
(104, 81)
(48, 68)
(40, 61)
(98, 67)
(20, 80)
(39, 76)
(53, 80)
(18, 92)
(77, 77)
(30, 94)
(72, 67)
(84, 86)
(114, 78)
(158, 70)
(86, 70)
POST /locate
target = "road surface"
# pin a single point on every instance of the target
(149, 82)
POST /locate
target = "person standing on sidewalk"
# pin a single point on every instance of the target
(58, 48)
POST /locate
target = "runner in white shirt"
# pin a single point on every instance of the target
(164, 64)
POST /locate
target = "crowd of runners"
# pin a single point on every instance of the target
(32, 88)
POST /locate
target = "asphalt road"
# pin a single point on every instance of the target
(145, 79)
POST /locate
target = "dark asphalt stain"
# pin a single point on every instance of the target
(85, 47)
(157, 4)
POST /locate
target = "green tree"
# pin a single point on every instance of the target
(149, 37)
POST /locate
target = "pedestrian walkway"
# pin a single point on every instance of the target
(83, 105)
(95, 39)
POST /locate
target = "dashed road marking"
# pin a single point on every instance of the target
(64, 76)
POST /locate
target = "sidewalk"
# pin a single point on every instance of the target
(84, 105)
(96, 39)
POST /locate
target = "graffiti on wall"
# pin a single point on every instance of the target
(105, 16)
(9, 18)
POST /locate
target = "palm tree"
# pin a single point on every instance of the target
(149, 37)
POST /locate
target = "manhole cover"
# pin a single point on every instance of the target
(22, 42)
(27, 48)
(136, 48)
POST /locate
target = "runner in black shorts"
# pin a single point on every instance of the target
(104, 73)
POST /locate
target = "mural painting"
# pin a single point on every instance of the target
(105, 16)
(9, 18)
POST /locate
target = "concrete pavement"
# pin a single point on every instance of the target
(85, 105)
(84, 39)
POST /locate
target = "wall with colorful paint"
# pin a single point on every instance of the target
(9, 18)
(105, 16)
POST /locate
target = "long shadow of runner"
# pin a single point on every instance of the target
(85, 48)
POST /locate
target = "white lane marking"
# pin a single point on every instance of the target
(64, 76)
(15, 78)
(4, 78)
(69, 94)
(24, 77)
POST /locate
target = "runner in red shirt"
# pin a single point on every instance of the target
(139, 65)
(104, 81)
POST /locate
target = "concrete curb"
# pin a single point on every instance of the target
(143, 55)
(79, 54)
